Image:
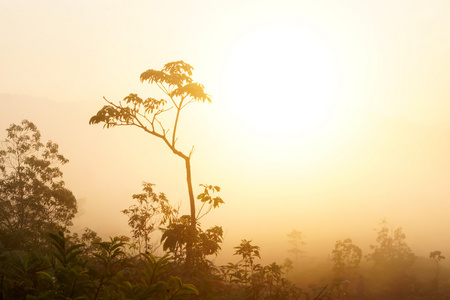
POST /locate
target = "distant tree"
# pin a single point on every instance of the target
(346, 258)
(288, 265)
(33, 198)
(437, 257)
(391, 250)
(89, 238)
(391, 258)
(296, 240)
(175, 81)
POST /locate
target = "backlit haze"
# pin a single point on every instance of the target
(326, 116)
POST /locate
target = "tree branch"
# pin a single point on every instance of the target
(176, 121)
(209, 209)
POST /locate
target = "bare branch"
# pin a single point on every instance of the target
(192, 151)
(190, 101)
(176, 120)
(205, 213)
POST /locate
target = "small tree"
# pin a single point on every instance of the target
(437, 257)
(151, 212)
(249, 253)
(33, 198)
(296, 240)
(175, 81)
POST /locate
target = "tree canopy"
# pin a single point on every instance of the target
(33, 196)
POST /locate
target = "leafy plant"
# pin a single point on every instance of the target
(157, 284)
(248, 253)
(249, 280)
(176, 237)
(206, 198)
(151, 212)
(20, 273)
(69, 277)
(111, 260)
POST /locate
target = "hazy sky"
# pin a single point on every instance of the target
(326, 115)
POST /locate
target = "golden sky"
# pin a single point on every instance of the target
(326, 115)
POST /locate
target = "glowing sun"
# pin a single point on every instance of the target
(281, 80)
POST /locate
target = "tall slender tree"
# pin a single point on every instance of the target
(437, 257)
(175, 81)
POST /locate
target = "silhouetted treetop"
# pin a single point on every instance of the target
(175, 81)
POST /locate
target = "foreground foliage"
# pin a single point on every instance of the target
(69, 274)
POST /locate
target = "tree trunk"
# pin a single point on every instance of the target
(191, 192)
(192, 229)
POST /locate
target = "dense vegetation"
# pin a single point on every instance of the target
(40, 258)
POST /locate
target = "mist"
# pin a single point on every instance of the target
(326, 119)
(386, 167)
